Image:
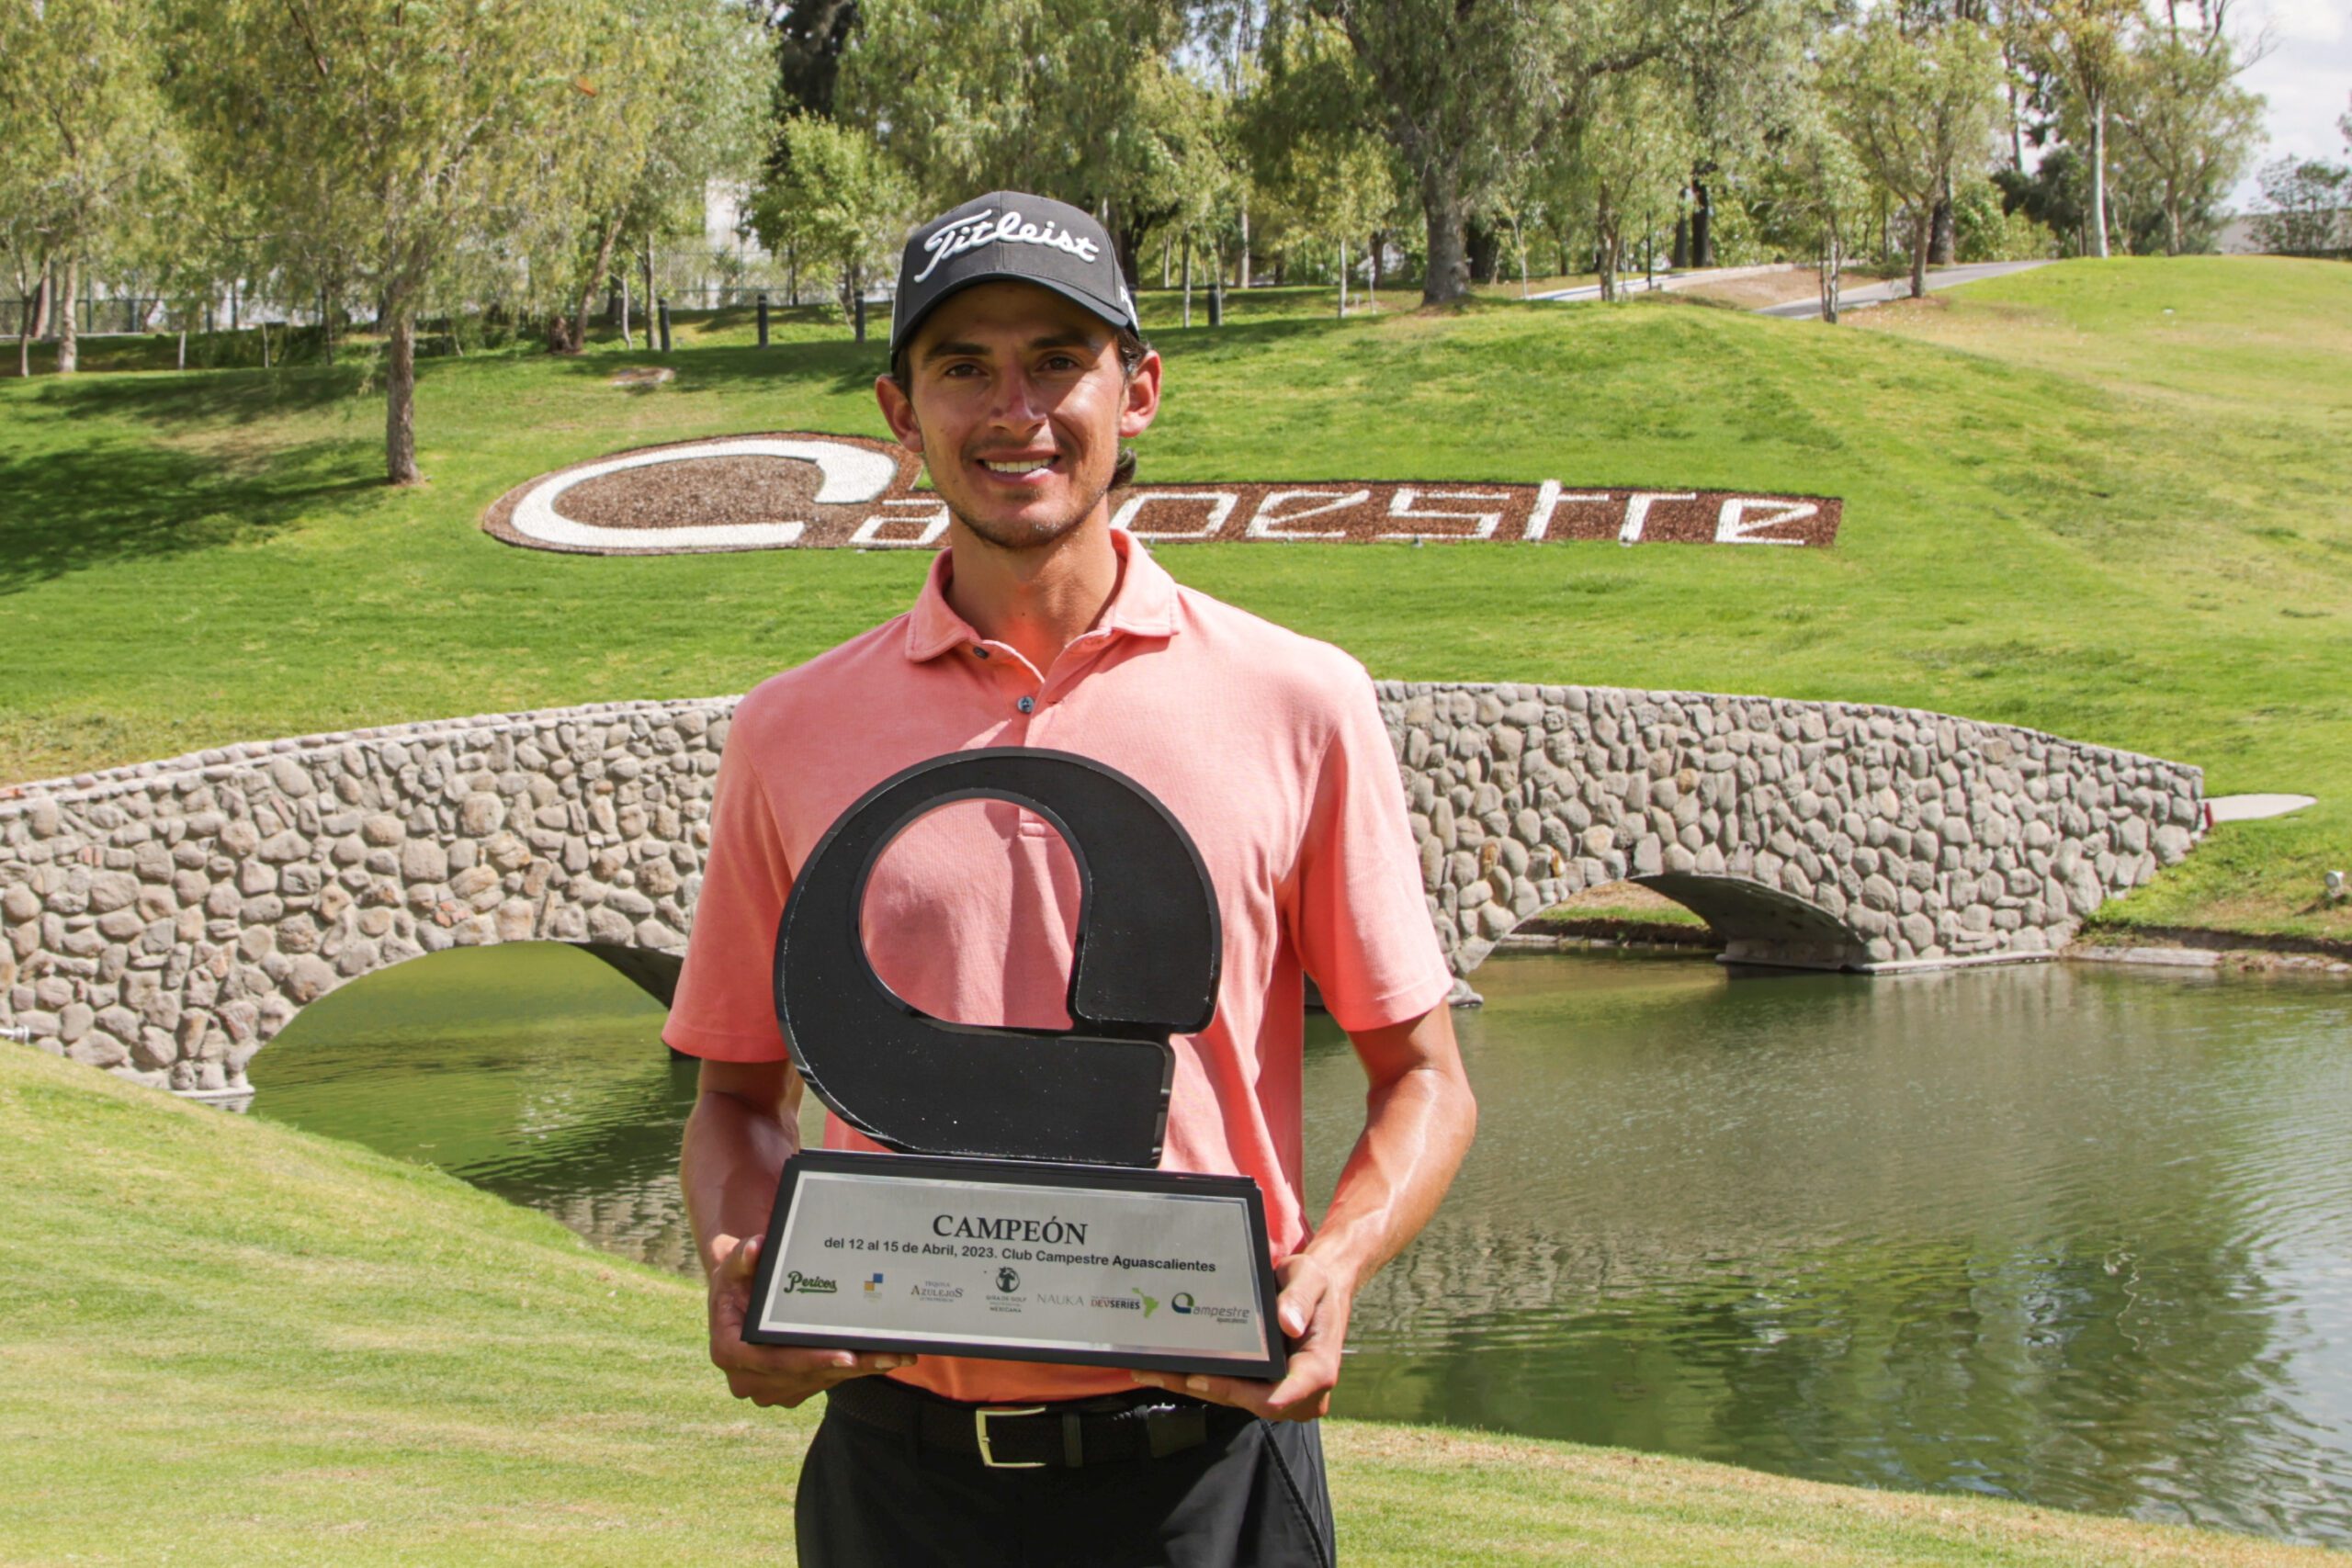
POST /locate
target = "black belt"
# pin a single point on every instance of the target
(1147, 1425)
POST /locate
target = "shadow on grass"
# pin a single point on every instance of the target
(93, 506)
(213, 397)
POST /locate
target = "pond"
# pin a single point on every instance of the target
(2076, 1235)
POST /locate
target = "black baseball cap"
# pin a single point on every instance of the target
(1009, 234)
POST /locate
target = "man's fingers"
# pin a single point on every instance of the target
(1295, 1309)
(738, 1266)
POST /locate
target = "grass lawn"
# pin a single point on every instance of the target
(2105, 499)
(224, 1341)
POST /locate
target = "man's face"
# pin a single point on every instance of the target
(1018, 405)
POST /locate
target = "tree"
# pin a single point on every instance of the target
(1063, 97)
(1625, 163)
(837, 198)
(382, 138)
(2307, 197)
(2186, 117)
(1918, 110)
(1815, 192)
(78, 92)
(2084, 44)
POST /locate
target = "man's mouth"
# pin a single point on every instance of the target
(1016, 467)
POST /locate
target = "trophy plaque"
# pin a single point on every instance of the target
(1024, 1217)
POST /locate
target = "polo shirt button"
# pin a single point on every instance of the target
(979, 653)
(1027, 705)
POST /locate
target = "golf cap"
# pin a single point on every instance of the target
(1009, 234)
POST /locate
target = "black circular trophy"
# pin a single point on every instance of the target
(1024, 1217)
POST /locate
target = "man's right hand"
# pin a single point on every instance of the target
(774, 1375)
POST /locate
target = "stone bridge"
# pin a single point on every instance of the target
(167, 920)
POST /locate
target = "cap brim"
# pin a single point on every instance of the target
(1088, 302)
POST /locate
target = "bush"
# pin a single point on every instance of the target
(1983, 232)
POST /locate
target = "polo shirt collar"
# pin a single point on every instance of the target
(1144, 603)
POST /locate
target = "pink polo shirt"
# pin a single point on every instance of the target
(1267, 746)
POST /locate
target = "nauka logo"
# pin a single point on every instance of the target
(957, 235)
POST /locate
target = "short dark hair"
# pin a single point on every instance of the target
(1131, 348)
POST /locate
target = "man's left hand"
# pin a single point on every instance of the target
(1312, 1312)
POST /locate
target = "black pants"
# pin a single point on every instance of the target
(1253, 1496)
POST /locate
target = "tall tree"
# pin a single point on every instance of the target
(836, 198)
(77, 94)
(2186, 117)
(2084, 45)
(1058, 96)
(389, 136)
(1626, 164)
(1918, 108)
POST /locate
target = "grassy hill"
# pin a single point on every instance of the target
(2103, 499)
(222, 1341)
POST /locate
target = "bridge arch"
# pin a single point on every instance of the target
(165, 921)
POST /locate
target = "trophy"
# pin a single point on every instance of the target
(1024, 1217)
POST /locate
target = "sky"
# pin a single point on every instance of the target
(2307, 77)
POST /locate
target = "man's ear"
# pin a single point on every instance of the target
(900, 412)
(1143, 396)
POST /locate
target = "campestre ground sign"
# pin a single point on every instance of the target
(797, 489)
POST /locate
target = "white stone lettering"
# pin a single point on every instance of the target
(1732, 526)
(1637, 512)
(933, 521)
(1550, 498)
(1220, 504)
(1401, 505)
(1267, 520)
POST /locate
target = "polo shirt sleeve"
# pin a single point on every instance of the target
(1361, 917)
(725, 1008)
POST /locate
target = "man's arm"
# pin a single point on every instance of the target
(744, 1125)
(1419, 1119)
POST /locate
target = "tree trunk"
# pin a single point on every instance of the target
(400, 399)
(1680, 256)
(626, 341)
(1483, 243)
(1832, 266)
(1243, 263)
(1167, 257)
(1703, 225)
(1372, 284)
(2171, 220)
(69, 326)
(1943, 242)
(2099, 170)
(1604, 251)
(1921, 223)
(1449, 262)
(651, 297)
(2016, 128)
(1188, 281)
(595, 281)
(1344, 280)
(41, 301)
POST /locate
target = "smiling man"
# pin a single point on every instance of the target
(1018, 371)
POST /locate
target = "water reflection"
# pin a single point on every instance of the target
(2073, 1234)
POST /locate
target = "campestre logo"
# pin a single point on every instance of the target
(1183, 1302)
(816, 492)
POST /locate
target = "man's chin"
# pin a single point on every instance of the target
(1024, 532)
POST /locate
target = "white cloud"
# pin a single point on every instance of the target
(2306, 78)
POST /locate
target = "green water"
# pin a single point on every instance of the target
(2080, 1236)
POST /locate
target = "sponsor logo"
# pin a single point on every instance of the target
(1184, 1302)
(1065, 1299)
(936, 1290)
(874, 1284)
(1151, 1304)
(1007, 1280)
(796, 1283)
(961, 234)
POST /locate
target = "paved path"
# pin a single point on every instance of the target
(2255, 808)
(1662, 281)
(1807, 309)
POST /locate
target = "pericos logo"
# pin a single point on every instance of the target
(799, 1284)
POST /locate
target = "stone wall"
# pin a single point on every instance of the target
(165, 921)
(1811, 834)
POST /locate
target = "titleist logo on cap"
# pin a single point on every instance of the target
(961, 234)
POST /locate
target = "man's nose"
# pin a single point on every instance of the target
(1018, 400)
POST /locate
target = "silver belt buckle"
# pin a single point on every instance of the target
(988, 1454)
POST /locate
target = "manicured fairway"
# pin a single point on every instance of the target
(2104, 499)
(222, 1341)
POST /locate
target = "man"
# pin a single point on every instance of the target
(1017, 371)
